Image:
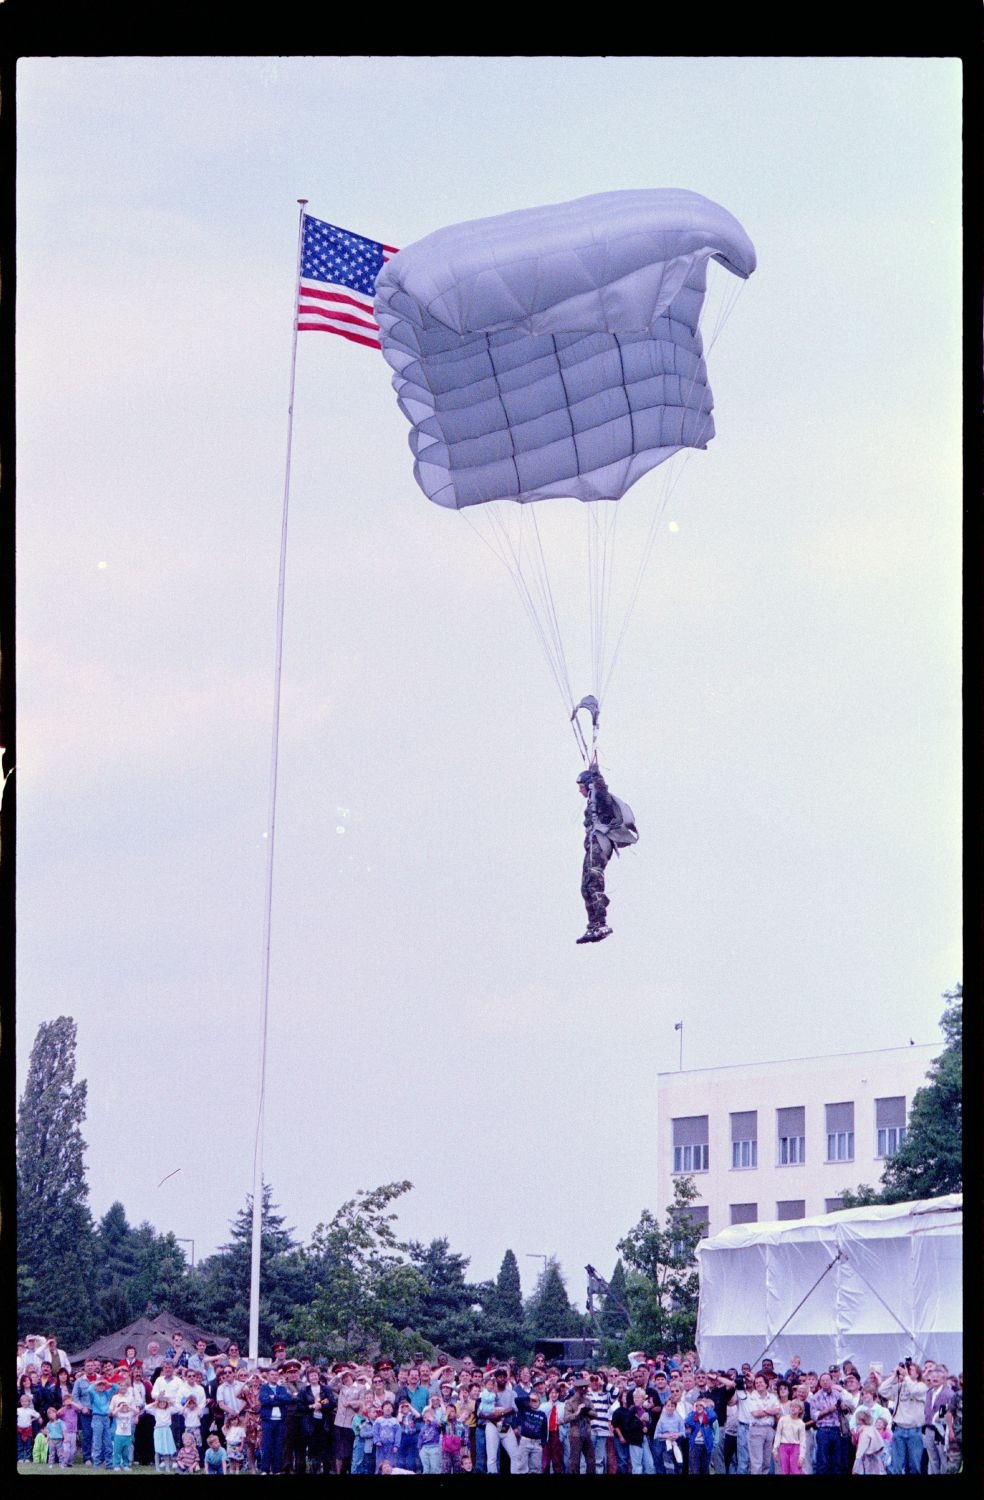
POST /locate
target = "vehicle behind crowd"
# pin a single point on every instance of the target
(203, 1410)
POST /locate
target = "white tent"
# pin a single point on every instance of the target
(867, 1284)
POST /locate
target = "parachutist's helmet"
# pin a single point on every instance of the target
(586, 777)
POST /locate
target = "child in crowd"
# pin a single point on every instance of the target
(881, 1425)
(69, 1414)
(39, 1453)
(55, 1433)
(870, 1456)
(407, 1418)
(123, 1413)
(701, 1426)
(215, 1455)
(26, 1418)
(362, 1442)
(453, 1441)
(386, 1435)
(235, 1444)
(430, 1442)
(789, 1444)
(187, 1461)
(669, 1430)
(193, 1407)
(164, 1447)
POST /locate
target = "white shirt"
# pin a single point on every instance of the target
(757, 1409)
(229, 1395)
(174, 1389)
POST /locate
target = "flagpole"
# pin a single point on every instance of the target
(254, 1272)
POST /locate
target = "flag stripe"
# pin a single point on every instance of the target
(343, 333)
(315, 291)
(331, 314)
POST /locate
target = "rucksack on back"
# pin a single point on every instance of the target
(625, 832)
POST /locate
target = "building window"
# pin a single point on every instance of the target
(791, 1136)
(690, 1152)
(791, 1208)
(744, 1139)
(832, 1205)
(744, 1213)
(840, 1145)
(840, 1132)
(690, 1158)
(744, 1152)
(889, 1124)
(890, 1139)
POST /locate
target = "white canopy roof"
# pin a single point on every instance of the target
(868, 1284)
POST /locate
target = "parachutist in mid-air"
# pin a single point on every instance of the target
(609, 825)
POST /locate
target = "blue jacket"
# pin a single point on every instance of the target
(709, 1429)
(271, 1396)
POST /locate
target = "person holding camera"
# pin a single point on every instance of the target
(577, 1420)
(905, 1394)
(825, 1414)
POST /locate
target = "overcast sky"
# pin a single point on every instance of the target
(784, 720)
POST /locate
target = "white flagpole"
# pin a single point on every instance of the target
(254, 1272)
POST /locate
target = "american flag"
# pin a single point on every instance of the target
(333, 259)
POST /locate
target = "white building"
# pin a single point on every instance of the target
(779, 1140)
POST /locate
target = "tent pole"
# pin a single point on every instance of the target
(759, 1357)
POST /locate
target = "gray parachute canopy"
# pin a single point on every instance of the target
(556, 351)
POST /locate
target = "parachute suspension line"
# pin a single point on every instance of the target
(607, 580)
(512, 560)
(602, 520)
(547, 595)
(645, 555)
(579, 737)
(726, 307)
(499, 550)
(594, 605)
(671, 476)
(504, 547)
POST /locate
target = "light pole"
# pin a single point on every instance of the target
(534, 1255)
(679, 1027)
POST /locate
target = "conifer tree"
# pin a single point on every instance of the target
(549, 1313)
(613, 1312)
(503, 1323)
(55, 1238)
(221, 1289)
(508, 1289)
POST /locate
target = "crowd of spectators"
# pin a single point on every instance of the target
(190, 1411)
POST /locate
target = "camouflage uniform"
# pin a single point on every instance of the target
(600, 809)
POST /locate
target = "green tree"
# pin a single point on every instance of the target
(929, 1163)
(446, 1315)
(117, 1261)
(55, 1240)
(509, 1289)
(361, 1281)
(220, 1290)
(548, 1312)
(662, 1280)
(612, 1318)
(503, 1322)
(166, 1271)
